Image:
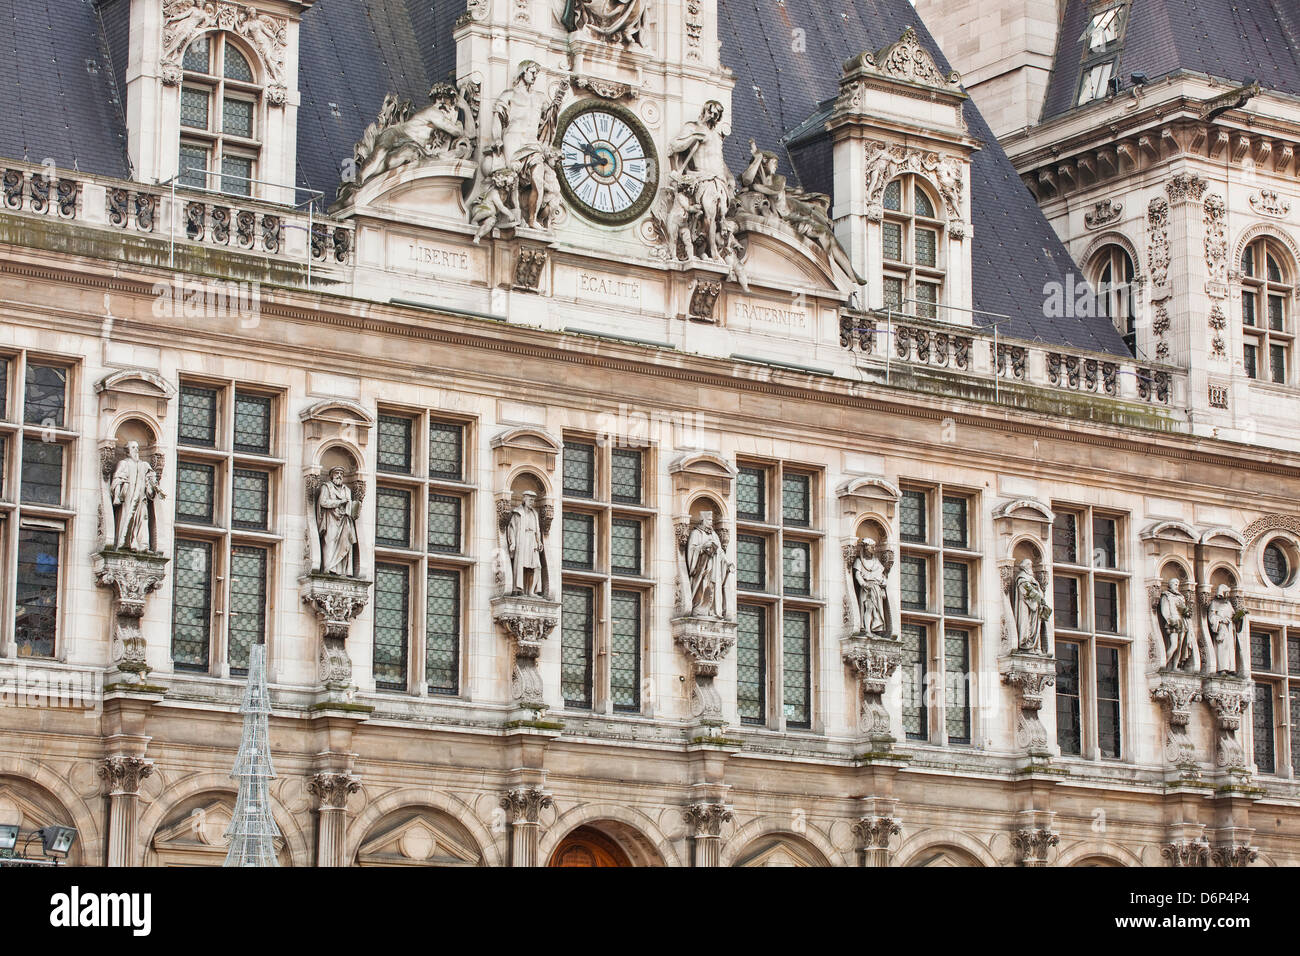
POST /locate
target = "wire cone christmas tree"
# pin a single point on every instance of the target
(252, 831)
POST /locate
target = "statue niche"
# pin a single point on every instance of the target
(1173, 615)
(868, 610)
(333, 508)
(524, 528)
(132, 485)
(1030, 613)
(705, 570)
(1225, 624)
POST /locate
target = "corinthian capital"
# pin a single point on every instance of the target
(123, 774)
(333, 789)
(706, 819)
(525, 804)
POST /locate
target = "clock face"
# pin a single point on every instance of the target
(609, 172)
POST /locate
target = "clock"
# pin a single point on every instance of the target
(608, 170)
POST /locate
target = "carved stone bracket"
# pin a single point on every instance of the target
(527, 622)
(1176, 692)
(333, 788)
(1228, 698)
(1029, 674)
(123, 774)
(133, 576)
(706, 641)
(873, 661)
(337, 601)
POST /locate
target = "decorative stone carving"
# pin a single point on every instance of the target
(1174, 619)
(130, 522)
(705, 821)
(1029, 674)
(526, 548)
(706, 641)
(695, 211)
(873, 661)
(1030, 612)
(1268, 203)
(906, 60)
(694, 23)
(866, 577)
(614, 21)
(1032, 843)
(1234, 854)
(444, 130)
(1225, 619)
(529, 262)
(183, 20)
(704, 299)
(1228, 698)
(605, 89)
(874, 834)
(528, 620)
(1186, 187)
(336, 601)
(517, 181)
(1176, 692)
(1216, 245)
(1158, 255)
(333, 509)
(1103, 213)
(887, 162)
(1012, 361)
(523, 807)
(132, 576)
(333, 788)
(859, 328)
(123, 774)
(1186, 853)
(708, 571)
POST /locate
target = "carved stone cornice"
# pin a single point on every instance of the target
(1185, 853)
(123, 773)
(333, 788)
(706, 819)
(524, 805)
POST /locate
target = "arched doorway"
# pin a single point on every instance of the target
(587, 846)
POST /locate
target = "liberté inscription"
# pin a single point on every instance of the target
(438, 260)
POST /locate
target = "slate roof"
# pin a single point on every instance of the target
(67, 58)
(1228, 39)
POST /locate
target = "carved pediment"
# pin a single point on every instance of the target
(338, 411)
(868, 486)
(1223, 538)
(906, 60)
(136, 381)
(779, 259)
(1170, 531)
(528, 439)
(419, 840)
(702, 464)
(1029, 508)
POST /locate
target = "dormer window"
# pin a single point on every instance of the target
(1266, 294)
(912, 239)
(1101, 42)
(220, 142)
(1112, 278)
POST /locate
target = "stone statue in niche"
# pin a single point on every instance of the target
(133, 487)
(518, 139)
(614, 21)
(696, 158)
(1225, 619)
(1030, 609)
(869, 568)
(707, 568)
(335, 507)
(1174, 614)
(525, 545)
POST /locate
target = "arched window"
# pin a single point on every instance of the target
(913, 248)
(220, 141)
(1112, 279)
(1266, 291)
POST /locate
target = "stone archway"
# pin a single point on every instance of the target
(588, 846)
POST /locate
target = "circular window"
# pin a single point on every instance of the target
(1277, 566)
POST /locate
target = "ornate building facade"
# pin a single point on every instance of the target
(639, 433)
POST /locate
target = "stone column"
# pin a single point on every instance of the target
(875, 828)
(122, 775)
(706, 820)
(523, 806)
(332, 789)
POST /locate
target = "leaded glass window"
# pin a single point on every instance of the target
(914, 666)
(198, 416)
(751, 562)
(1262, 721)
(392, 622)
(36, 606)
(579, 540)
(219, 80)
(192, 161)
(237, 117)
(797, 665)
(194, 107)
(1108, 707)
(796, 564)
(191, 604)
(194, 492)
(394, 452)
(1276, 566)
(1105, 603)
(751, 663)
(1293, 654)
(912, 583)
(625, 650)
(579, 469)
(247, 604)
(956, 710)
(956, 587)
(236, 66)
(1065, 538)
(911, 516)
(751, 503)
(392, 517)
(46, 399)
(42, 472)
(911, 246)
(1103, 543)
(444, 523)
(236, 175)
(625, 475)
(1261, 650)
(577, 620)
(251, 497)
(446, 451)
(196, 55)
(252, 423)
(1295, 730)
(4, 388)
(892, 235)
(955, 527)
(1069, 714)
(625, 546)
(1066, 605)
(442, 632)
(1265, 309)
(796, 503)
